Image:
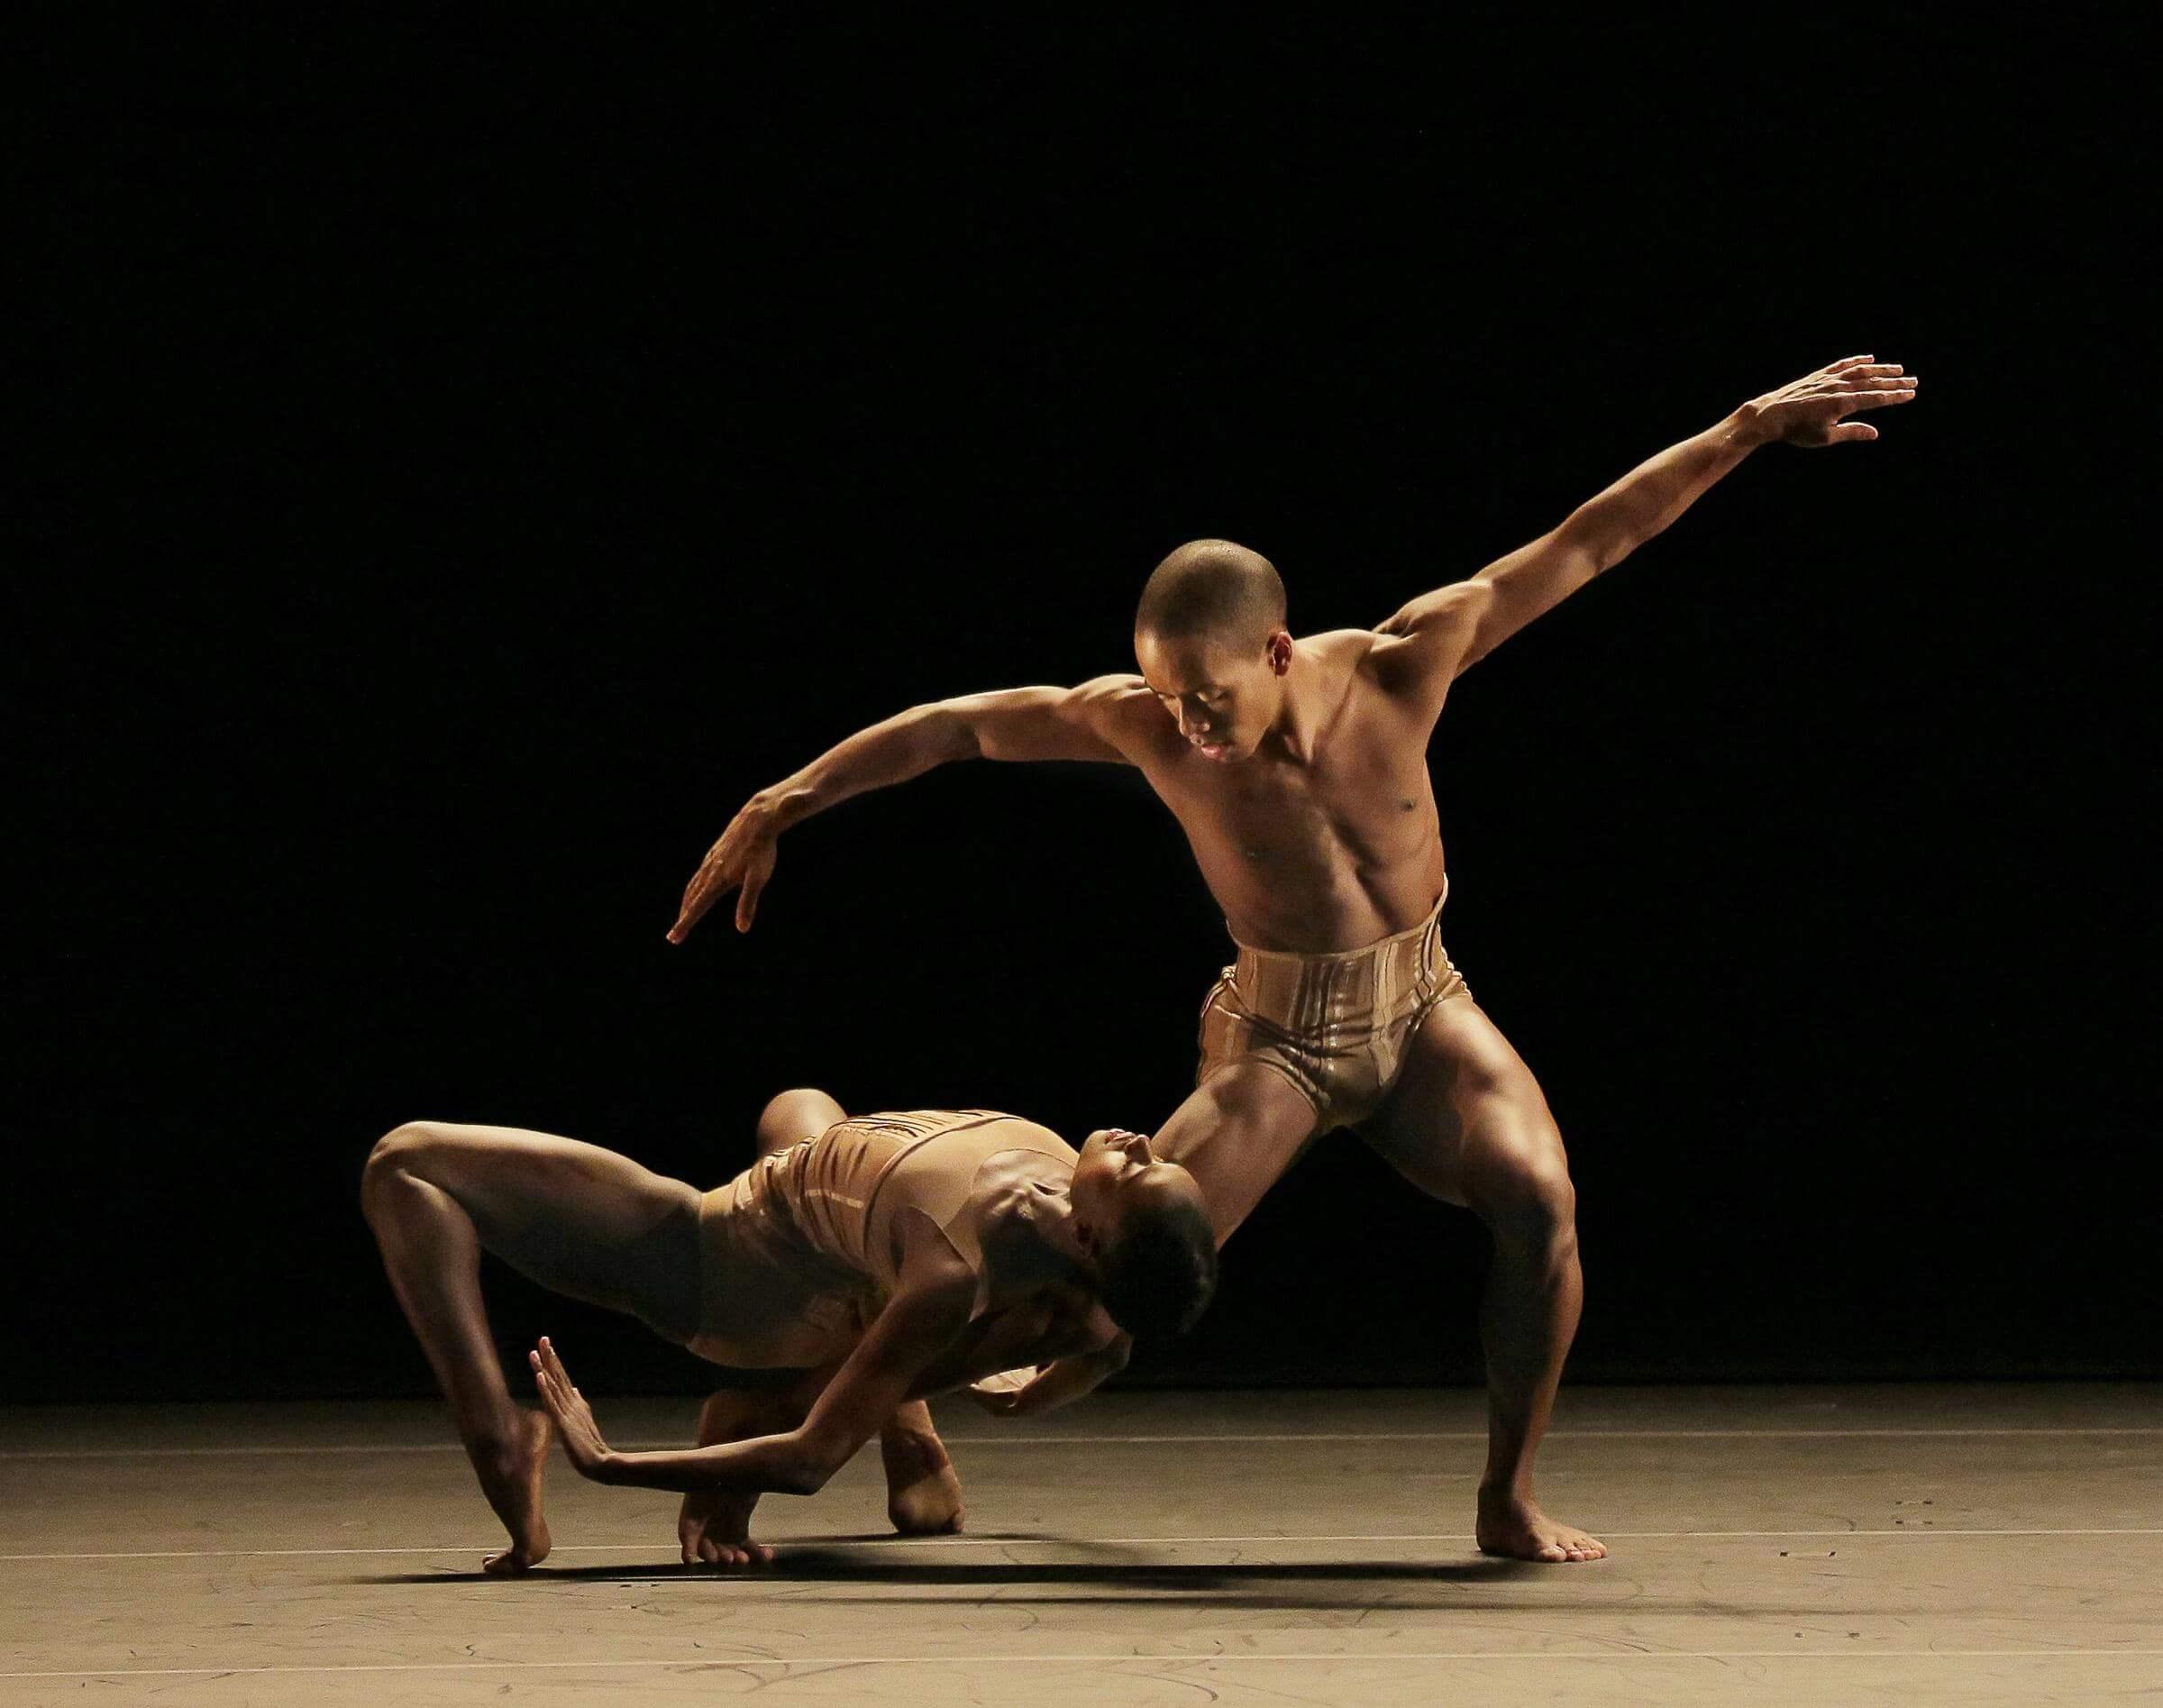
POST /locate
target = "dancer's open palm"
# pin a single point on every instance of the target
(743, 860)
(575, 1427)
(1813, 410)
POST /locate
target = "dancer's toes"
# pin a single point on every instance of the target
(714, 1528)
(728, 1555)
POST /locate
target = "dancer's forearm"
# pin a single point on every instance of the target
(1612, 524)
(766, 1463)
(1448, 630)
(905, 746)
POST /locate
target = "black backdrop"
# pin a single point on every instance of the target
(469, 461)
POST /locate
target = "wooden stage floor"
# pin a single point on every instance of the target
(1896, 1544)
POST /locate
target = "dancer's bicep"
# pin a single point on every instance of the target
(1093, 721)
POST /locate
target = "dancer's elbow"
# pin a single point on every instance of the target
(946, 731)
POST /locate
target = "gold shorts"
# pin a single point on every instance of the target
(768, 1298)
(1335, 1025)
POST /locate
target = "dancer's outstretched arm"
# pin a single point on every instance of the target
(917, 1325)
(1095, 721)
(1442, 634)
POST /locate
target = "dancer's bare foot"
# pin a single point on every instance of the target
(1513, 1526)
(713, 1527)
(510, 1476)
(923, 1494)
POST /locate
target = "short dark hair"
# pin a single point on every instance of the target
(1212, 587)
(1158, 1274)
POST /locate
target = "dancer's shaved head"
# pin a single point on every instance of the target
(1213, 589)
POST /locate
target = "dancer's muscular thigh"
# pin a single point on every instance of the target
(576, 1219)
(1465, 1117)
(1237, 1133)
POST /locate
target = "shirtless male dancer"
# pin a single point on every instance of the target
(1297, 769)
(885, 1257)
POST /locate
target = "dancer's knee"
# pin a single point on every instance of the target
(795, 1114)
(399, 1157)
(1523, 1190)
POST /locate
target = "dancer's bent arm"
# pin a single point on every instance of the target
(1083, 723)
(912, 1330)
(1442, 634)
(1046, 1327)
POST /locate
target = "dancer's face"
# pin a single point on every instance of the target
(1223, 695)
(1117, 1170)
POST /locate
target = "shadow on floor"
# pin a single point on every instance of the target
(1218, 1582)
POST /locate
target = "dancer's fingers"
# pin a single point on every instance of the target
(707, 885)
(691, 911)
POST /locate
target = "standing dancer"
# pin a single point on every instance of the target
(1297, 769)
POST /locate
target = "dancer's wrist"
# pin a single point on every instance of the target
(1744, 428)
(786, 805)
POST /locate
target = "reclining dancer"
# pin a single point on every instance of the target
(890, 1258)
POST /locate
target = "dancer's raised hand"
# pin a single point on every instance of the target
(1813, 411)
